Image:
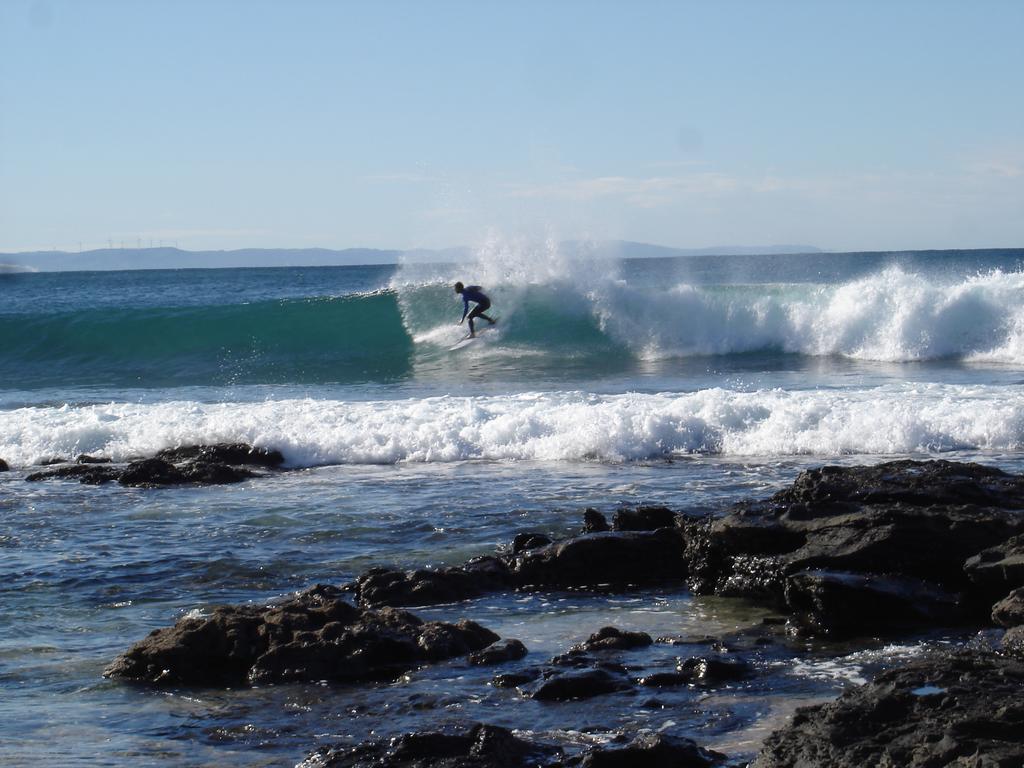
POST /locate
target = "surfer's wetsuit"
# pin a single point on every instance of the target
(476, 294)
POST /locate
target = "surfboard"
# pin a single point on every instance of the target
(467, 340)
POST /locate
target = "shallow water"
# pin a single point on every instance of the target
(87, 571)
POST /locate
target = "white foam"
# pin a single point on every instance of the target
(549, 426)
(890, 316)
(894, 315)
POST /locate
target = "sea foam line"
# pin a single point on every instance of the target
(565, 426)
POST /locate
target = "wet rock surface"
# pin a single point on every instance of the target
(84, 458)
(910, 525)
(614, 639)
(643, 518)
(844, 604)
(1013, 641)
(3, 466)
(86, 474)
(490, 746)
(315, 636)
(612, 557)
(193, 465)
(594, 521)
(1009, 612)
(151, 473)
(483, 746)
(235, 454)
(423, 586)
(998, 569)
(525, 541)
(706, 671)
(955, 709)
(499, 652)
(571, 685)
(516, 679)
(654, 751)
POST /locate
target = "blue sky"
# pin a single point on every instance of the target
(217, 124)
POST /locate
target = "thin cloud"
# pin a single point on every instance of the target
(640, 192)
(402, 177)
(1005, 168)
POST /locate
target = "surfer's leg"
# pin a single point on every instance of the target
(488, 319)
(475, 313)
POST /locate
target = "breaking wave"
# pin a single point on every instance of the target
(550, 426)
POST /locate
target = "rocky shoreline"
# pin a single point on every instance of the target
(847, 553)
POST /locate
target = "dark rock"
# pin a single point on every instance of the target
(654, 750)
(611, 638)
(616, 558)
(574, 657)
(914, 483)
(643, 519)
(145, 473)
(151, 473)
(959, 709)
(499, 652)
(848, 604)
(666, 679)
(572, 685)
(713, 670)
(51, 461)
(998, 569)
(515, 679)
(1009, 612)
(1013, 641)
(85, 458)
(214, 473)
(757, 577)
(224, 453)
(84, 473)
(3, 466)
(381, 586)
(484, 746)
(594, 521)
(524, 541)
(313, 636)
(919, 520)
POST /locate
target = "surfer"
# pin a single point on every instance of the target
(475, 294)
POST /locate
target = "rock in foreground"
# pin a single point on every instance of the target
(850, 550)
(654, 750)
(483, 746)
(613, 558)
(961, 709)
(315, 636)
(490, 746)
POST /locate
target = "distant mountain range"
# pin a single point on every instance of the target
(174, 258)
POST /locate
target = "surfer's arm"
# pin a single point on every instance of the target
(465, 309)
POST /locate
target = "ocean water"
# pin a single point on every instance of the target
(690, 382)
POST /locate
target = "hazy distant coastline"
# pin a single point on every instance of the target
(175, 258)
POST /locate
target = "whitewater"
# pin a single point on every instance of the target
(544, 426)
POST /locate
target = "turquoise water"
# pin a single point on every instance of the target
(688, 382)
